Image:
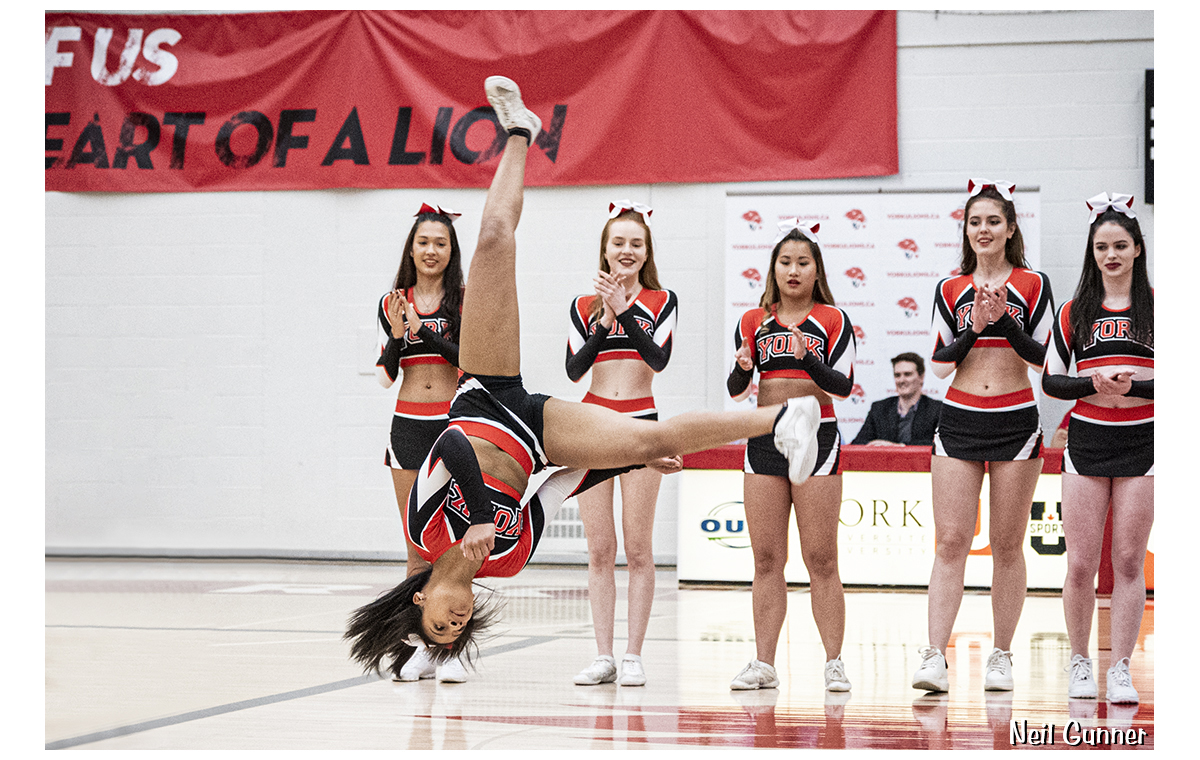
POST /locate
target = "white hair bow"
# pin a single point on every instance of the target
(975, 186)
(414, 640)
(1104, 201)
(616, 208)
(809, 231)
(428, 209)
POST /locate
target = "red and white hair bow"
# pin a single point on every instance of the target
(616, 208)
(427, 209)
(1104, 201)
(809, 231)
(975, 186)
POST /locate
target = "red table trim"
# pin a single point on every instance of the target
(854, 458)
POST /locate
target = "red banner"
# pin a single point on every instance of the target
(322, 99)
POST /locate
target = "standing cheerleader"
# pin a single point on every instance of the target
(992, 323)
(1107, 329)
(418, 341)
(802, 346)
(623, 334)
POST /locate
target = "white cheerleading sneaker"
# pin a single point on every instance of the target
(835, 676)
(998, 676)
(505, 97)
(933, 675)
(602, 670)
(756, 675)
(452, 671)
(632, 672)
(1120, 684)
(796, 436)
(419, 666)
(1082, 684)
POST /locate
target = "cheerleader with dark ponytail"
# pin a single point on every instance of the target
(418, 345)
(1107, 330)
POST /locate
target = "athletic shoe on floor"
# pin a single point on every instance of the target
(419, 666)
(1082, 685)
(796, 436)
(933, 674)
(835, 676)
(632, 673)
(452, 671)
(756, 675)
(505, 97)
(602, 670)
(998, 676)
(1120, 684)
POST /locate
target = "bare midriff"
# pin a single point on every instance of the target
(776, 390)
(622, 379)
(428, 383)
(991, 371)
(1118, 402)
(499, 465)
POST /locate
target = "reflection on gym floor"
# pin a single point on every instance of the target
(248, 655)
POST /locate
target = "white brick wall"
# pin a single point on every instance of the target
(203, 392)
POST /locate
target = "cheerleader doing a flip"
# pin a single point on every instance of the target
(467, 514)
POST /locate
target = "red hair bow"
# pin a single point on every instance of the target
(1104, 201)
(616, 208)
(804, 228)
(427, 209)
(975, 186)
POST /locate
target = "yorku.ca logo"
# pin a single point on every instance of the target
(754, 219)
(858, 219)
(725, 525)
(860, 337)
(857, 394)
(857, 276)
(910, 306)
(909, 246)
(752, 277)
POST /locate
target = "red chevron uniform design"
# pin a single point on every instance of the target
(1103, 441)
(1029, 302)
(827, 329)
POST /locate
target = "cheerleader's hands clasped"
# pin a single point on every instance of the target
(612, 293)
(1114, 385)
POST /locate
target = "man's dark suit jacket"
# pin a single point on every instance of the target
(883, 422)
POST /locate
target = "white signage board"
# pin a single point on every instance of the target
(884, 254)
(885, 536)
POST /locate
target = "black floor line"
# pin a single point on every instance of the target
(286, 696)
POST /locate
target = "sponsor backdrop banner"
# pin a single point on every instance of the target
(884, 255)
(885, 536)
(322, 99)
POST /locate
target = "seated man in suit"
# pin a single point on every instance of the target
(908, 418)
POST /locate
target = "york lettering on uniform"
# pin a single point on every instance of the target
(437, 324)
(1016, 313)
(772, 346)
(507, 521)
(619, 330)
(963, 316)
(455, 502)
(1109, 328)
